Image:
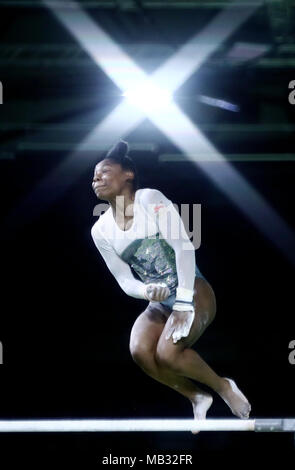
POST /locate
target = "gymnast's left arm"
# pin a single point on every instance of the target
(173, 231)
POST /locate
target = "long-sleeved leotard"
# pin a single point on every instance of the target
(156, 246)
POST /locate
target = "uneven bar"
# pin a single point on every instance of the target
(130, 425)
(125, 425)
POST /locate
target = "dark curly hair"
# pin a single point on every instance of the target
(119, 154)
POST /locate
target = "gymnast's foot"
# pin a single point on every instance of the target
(235, 399)
(201, 404)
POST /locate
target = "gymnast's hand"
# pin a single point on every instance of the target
(156, 292)
(179, 324)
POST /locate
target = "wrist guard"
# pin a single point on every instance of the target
(184, 300)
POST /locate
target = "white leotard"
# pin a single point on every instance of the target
(156, 247)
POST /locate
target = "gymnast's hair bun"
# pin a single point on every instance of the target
(119, 154)
(123, 148)
(118, 151)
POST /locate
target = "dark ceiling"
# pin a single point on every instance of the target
(54, 93)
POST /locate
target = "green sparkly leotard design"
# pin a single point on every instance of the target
(153, 260)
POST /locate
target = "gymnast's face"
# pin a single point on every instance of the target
(109, 179)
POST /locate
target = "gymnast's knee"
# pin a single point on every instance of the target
(166, 359)
(141, 354)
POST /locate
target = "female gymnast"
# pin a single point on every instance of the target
(136, 238)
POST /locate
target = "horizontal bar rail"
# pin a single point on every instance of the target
(130, 425)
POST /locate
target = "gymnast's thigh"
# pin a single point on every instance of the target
(148, 327)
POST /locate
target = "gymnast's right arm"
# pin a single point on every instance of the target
(120, 270)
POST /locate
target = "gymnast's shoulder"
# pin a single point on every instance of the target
(153, 200)
(148, 196)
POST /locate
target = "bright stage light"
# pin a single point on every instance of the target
(148, 97)
(154, 97)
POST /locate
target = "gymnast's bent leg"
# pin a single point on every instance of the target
(145, 335)
(186, 362)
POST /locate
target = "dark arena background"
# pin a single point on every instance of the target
(67, 71)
